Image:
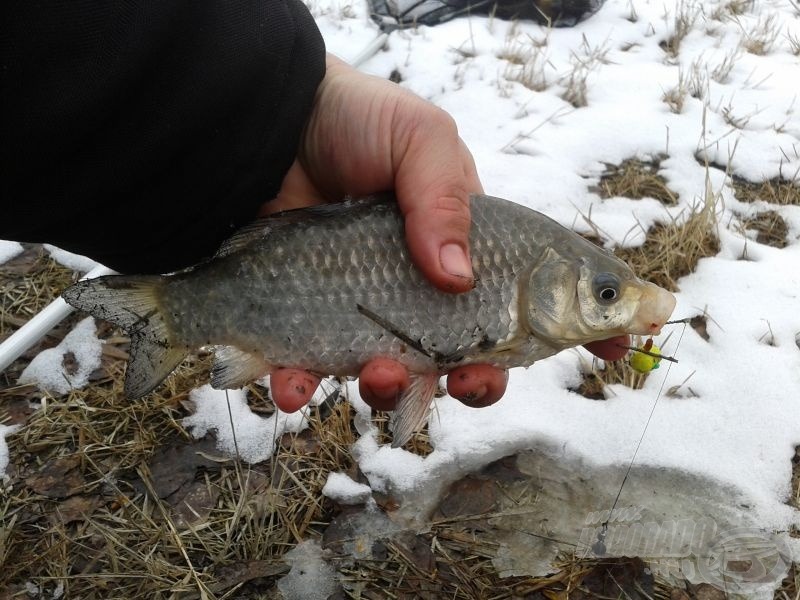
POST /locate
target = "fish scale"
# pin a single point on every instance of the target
(297, 302)
(329, 288)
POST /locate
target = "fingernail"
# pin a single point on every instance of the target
(454, 261)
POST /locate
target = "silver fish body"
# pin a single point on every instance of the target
(329, 288)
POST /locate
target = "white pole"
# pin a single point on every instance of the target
(370, 51)
(30, 333)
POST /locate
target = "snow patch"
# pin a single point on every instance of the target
(254, 437)
(5, 431)
(9, 250)
(67, 366)
(76, 262)
(342, 489)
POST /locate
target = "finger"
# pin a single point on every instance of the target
(610, 349)
(381, 382)
(474, 184)
(292, 389)
(296, 191)
(434, 177)
(477, 385)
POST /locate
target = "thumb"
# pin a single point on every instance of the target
(433, 181)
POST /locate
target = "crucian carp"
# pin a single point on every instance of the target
(328, 288)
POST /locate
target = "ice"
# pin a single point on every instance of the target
(311, 578)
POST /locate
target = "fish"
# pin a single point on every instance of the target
(328, 288)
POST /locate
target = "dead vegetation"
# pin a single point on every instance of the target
(769, 227)
(584, 62)
(673, 251)
(596, 378)
(113, 499)
(778, 191)
(686, 15)
(109, 498)
(527, 61)
(635, 178)
(760, 39)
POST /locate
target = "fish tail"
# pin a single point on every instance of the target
(131, 302)
(413, 407)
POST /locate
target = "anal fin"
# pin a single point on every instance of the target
(413, 407)
(234, 368)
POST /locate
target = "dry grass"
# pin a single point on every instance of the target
(769, 227)
(774, 191)
(92, 507)
(527, 61)
(761, 38)
(635, 178)
(794, 43)
(584, 62)
(670, 251)
(673, 251)
(683, 22)
(108, 498)
(596, 379)
(692, 82)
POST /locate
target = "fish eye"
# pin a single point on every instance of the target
(606, 287)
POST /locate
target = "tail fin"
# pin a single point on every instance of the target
(132, 303)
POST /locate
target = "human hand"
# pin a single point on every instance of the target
(368, 135)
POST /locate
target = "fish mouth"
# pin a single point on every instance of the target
(655, 308)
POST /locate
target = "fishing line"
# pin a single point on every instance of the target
(233, 429)
(599, 547)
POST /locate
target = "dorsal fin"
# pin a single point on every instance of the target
(261, 228)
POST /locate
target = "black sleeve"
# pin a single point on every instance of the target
(141, 133)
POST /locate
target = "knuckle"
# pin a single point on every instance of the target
(454, 206)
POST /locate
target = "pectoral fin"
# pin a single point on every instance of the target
(413, 407)
(234, 368)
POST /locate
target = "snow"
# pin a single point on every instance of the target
(254, 436)
(736, 432)
(724, 450)
(537, 149)
(9, 250)
(5, 430)
(67, 366)
(342, 489)
(76, 262)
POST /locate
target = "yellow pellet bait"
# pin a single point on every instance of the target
(644, 363)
